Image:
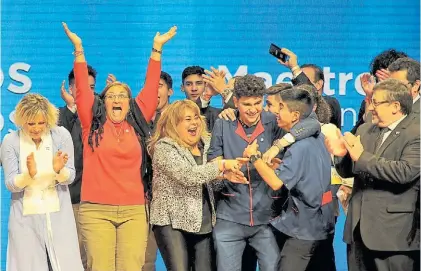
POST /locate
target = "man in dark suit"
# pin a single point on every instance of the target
(407, 70)
(381, 228)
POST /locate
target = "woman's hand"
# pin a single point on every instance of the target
(31, 165)
(59, 161)
(159, 40)
(76, 41)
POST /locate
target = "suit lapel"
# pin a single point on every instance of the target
(416, 107)
(395, 134)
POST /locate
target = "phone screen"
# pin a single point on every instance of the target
(276, 52)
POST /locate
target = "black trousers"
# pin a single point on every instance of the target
(304, 255)
(361, 258)
(183, 251)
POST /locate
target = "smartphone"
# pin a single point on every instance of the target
(276, 52)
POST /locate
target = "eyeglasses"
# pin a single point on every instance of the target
(376, 104)
(113, 97)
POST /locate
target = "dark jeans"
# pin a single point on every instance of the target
(183, 251)
(231, 238)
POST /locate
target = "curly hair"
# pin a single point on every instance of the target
(31, 105)
(249, 86)
(384, 59)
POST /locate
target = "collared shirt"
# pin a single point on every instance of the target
(391, 128)
(416, 99)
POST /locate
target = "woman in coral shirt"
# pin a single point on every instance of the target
(112, 213)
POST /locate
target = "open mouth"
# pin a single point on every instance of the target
(251, 115)
(117, 111)
(192, 131)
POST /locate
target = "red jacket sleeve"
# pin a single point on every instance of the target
(84, 95)
(147, 99)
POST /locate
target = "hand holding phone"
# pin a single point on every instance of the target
(276, 52)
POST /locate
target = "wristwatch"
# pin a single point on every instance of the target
(255, 157)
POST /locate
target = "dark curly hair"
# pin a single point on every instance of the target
(384, 59)
(249, 86)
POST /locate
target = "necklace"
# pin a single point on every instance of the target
(120, 132)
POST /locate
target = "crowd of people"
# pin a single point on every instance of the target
(111, 178)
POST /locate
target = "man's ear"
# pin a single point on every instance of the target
(182, 87)
(296, 116)
(319, 86)
(235, 100)
(415, 88)
(170, 92)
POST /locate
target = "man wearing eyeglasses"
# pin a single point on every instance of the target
(382, 228)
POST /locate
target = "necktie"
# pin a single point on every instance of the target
(379, 140)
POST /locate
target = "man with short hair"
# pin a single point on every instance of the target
(311, 74)
(407, 70)
(244, 211)
(193, 86)
(382, 224)
(307, 219)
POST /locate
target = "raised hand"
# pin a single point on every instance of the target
(159, 40)
(367, 83)
(76, 41)
(216, 79)
(66, 96)
(228, 114)
(110, 79)
(382, 74)
(31, 165)
(292, 60)
(59, 161)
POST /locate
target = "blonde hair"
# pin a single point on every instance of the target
(31, 105)
(170, 118)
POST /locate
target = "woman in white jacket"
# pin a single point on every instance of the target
(38, 165)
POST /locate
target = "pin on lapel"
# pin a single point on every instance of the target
(261, 139)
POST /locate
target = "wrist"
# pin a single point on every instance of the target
(255, 157)
(295, 68)
(78, 47)
(157, 46)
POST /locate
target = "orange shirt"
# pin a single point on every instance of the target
(111, 174)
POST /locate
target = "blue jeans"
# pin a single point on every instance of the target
(230, 239)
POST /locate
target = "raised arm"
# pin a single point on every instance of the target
(147, 99)
(84, 94)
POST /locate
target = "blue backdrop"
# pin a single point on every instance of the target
(341, 36)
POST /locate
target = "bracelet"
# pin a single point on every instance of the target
(78, 53)
(295, 68)
(156, 51)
